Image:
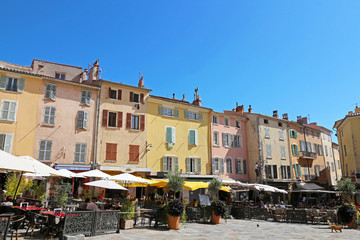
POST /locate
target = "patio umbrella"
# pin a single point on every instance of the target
(93, 173)
(68, 173)
(15, 164)
(105, 183)
(128, 178)
(40, 168)
(37, 176)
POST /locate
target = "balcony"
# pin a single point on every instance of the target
(308, 155)
(310, 177)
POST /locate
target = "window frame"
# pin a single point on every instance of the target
(46, 150)
(85, 100)
(81, 154)
(134, 156)
(109, 152)
(216, 143)
(110, 119)
(49, 116)
(8, 110)
(134, 122)
(216, 119)
(12, 86)
(60, 75)
(229, 166)
(226, 122)
(7, 147)
(51, 91)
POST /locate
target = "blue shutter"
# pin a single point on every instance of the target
(21, 85)
(3, 82)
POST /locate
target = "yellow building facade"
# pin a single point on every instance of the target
(19, 98)
(178, 136)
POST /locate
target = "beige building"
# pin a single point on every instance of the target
(336, 155)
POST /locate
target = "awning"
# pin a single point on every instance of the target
(308, 186)
(314, 191)
(78, 167)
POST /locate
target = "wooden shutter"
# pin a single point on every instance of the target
(119, 120)
(131, 96)
(142, 98)
(142, 122)
(232, 140)
(80, 119)
(173, 137)
(198, 165)
(196, 137)
(164, 164)
(200, 116)
(275, 171)
(188, 165)
(244, 166)
(191, 137)
(160, 110)
(119, 94)
(21, 85)
(168, 133)
(3, 82)
(222, 165)
(236, 166)
(109, 92)
(85, 120)
(176, 165)
(213, 165)
(186, 114)
(83, 97)
(176, 113)
(105, 118)
(8, 143)
(128, 120)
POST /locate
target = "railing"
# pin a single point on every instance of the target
(4, 224)
(309, 155)
(310, 177)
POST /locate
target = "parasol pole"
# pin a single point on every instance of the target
(18, 185)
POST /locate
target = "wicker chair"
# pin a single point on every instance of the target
(316, 218)
(280, 214)
(15, 224)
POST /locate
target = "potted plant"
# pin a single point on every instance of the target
(127, 219)
(175, 210)
(347, 215)
(214, 187)
(218, 211)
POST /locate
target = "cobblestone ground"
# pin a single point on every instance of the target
(235, 229)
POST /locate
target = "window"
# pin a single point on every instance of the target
(266, 121)
(134, 122)
(134, 153)
(317, 170)
(216, 138)
(328, 166)
(326, 150)
(307, 131)
(281, 135)
(49, 116)
(14, 84)
(215, 119)
(167, 112)
(237, 124)
(229, 165)
(226, 141)
(170, 163)
(308, 147)
(293, 134)
(316, 148)
(301, 130)
(318, 135)
(80, 153)
(268, 150)
(85, 97)
(313, 133)
(332, 167)
(238, 166)
(271, 171)
(136, 98)
(111, 149)
(50, 92)
(193, 165)
(285, 172)
(60, 76)
(267, 133)
(193, 115)
(282, 150)
(226, 121)
(237, 141)
(295, 150)
(45, 150)
(6, 142)
(280, 124)
(170, 135)
(82, 119)
(113, 93)
(193, 137)
(302, 146)
(112, 119)
(8, 110)
(215, 165)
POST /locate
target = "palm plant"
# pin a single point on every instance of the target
(214, 187)
(176, 181)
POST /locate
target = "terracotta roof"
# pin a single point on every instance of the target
(317, 127)
(178, 101)
(339, 122)
(55, 63)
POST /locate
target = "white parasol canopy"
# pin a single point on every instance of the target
(93, 173)
(128, 178)
(68, 173)
(39, 167)
(16, 164)
(105, 183)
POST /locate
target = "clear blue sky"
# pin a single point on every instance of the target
(299, 57)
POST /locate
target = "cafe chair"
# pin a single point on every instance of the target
(35, 221)
(15, 224)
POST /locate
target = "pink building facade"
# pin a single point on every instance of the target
(229, 146)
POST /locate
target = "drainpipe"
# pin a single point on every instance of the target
(262, 164)
(96, 128)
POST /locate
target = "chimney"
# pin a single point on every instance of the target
(285, 116)
(275, 114)
(350, 112)
(357, 109)
(141, 82)
(239, 108)
(183, 98)
(174, 96)
(250, 109)
(94, 71)
(83, 76)
(197, 99)
(301, 120)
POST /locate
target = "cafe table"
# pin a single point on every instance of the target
(30, 208)
(52, 224)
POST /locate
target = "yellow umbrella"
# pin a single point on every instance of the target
(192, 186)
(225, 189)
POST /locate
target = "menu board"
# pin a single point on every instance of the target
(204, 200)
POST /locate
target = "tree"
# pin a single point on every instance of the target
(347, 187)
(60, 195)
(214, 187)
(12, 181)
(176, 181)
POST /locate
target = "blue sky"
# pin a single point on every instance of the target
(299, 57)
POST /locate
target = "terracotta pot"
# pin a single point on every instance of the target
(173, 222)
(352, 224)
(215, 219)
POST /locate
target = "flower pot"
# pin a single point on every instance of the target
(352, 224)
(126, 224)
(215, 219)
(173, 222)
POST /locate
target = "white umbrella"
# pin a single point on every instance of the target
(39, 167)
(68, 173)
(128, 178)
(105, 183)
(93, 173)
(12, 163)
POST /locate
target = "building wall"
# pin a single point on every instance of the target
(181, 149)
(336, 156)
(121, 136)
(23, 129)
(253, 145)
(64, 134)
(221, 151)
(72, 73)
(329, 158)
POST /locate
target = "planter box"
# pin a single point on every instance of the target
(126, 224)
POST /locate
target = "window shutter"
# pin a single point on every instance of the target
(223, 138)
(198, 165)
(88, 98)
(52, 115)
(200, 116)
(119, 92)
(131, 96)
(128, 120)
(142, 122)
(275, 171)
(186, 114)
(188, 165)
(236, 166)
(173, 137)
(85, 120)
(232, 140)
(109, 92)
(176, 113)
(104, 118)
(21, 85)
(8, 143)
(83, 97)
(119, 120)
(295, 134)
(191, 137)
(161, 110)
(268, 150)
(164, 164)
(80, 119)
(244, 166)
(77, 152)
(53, 91)
(213, 165)
(196, 137)
(302, 145)
(282, 150)
(142, 98)
(48, 90)
(299, 170)
(176, 164)
(12, 111)
(168, 137)
(222, 165)
(296, 172)
(3, 82)
(297, 150)
(293, 149)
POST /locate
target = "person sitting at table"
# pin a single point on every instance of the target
(8, 202)
(116, 205)
(92, 205)
(108, 205)
(281, 205)
(261, 204)
(83, 205)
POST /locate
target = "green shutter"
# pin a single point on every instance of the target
(293, 149)
(222, 165)
(168, 135)
(296, 172)
(200, 116)
(21, 85)
(198, 165)
(3, 82)
(164, 164)
(186, 114)
(176, 164)
(191, 137)
(161, 111)
(176, 113)
(295, 134)
(187, 164)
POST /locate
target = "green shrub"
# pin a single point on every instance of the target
(128, 207)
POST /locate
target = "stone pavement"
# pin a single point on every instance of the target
(235, 229)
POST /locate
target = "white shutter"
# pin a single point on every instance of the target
(267, 133)
(213, 165)
(173, 138)
(52, 115)
(48, 90)
(47, 115)
(8, 143)
(268, 150)
(12, 111)
(282, 149)
(196, 137)
(85, 120)
(83, 97)
(53, 91)
(80, 119)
